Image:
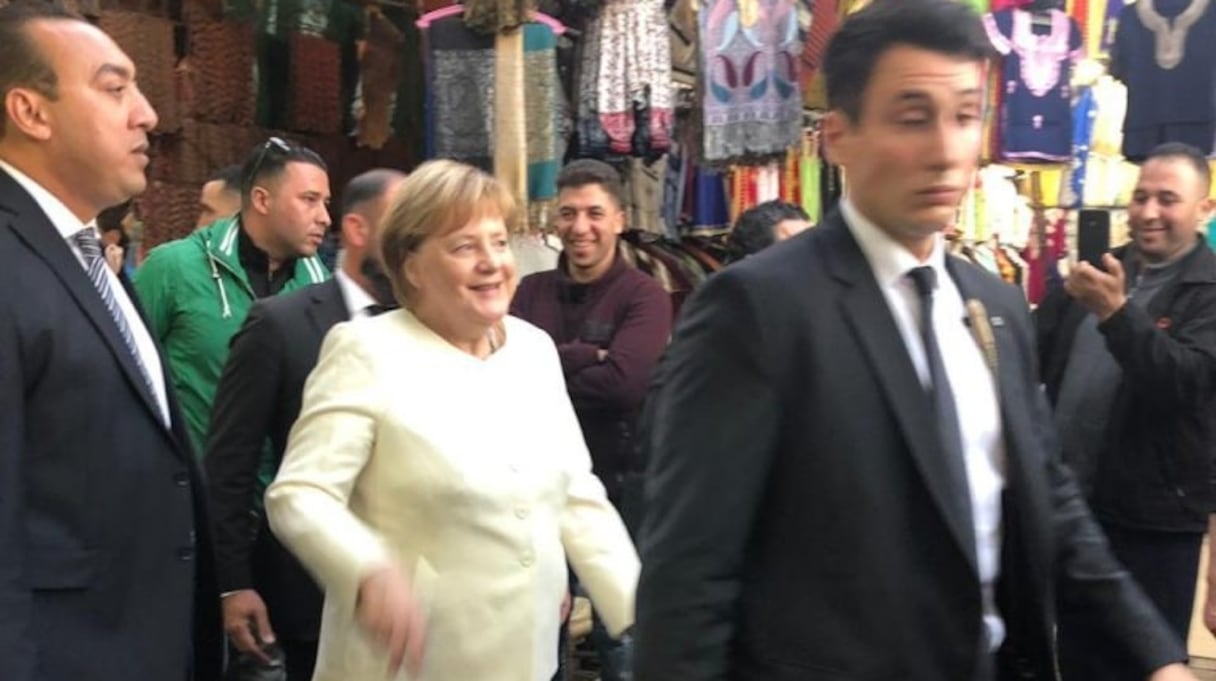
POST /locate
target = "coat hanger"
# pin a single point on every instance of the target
(427, 19)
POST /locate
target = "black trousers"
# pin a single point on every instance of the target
(1166, 565)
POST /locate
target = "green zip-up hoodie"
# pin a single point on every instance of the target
(196, 295)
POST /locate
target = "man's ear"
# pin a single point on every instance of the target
(835, 129)
(259, 199)
(354, 231)
(25, 110)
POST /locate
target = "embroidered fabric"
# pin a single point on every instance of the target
(1170, 39)
(1035, 116)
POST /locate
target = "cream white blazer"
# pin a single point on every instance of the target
(471, 475)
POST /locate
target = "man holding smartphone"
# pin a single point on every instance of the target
(1128, 357)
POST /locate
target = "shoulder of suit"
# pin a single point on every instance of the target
(296, 300)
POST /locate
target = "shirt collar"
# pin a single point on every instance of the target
(64, 220)
(357, 300)
(889, 260)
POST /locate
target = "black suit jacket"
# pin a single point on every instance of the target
(106, 570)
(798, 519)
(256, 402)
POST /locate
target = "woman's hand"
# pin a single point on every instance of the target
(388, 610)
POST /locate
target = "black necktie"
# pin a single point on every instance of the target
(925, 279)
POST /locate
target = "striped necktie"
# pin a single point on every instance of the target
(86, 240)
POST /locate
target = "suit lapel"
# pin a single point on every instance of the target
(1023, 465)
(869, 318)
(328, 307)
(35, 229)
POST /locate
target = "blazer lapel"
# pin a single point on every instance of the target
(328, 308)
(869, 318)
(35, 229)
(1024, 468)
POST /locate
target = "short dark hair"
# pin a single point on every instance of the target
(269, 158)
(22, 63)
(230, 175)
(754, 231)
(1188, 153)
(587, 171)
(944, 26)
(366, 187)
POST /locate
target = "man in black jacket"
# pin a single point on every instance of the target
(1128, 356)
(267, 595)
(851, 470)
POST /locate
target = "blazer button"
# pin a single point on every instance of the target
(181, 479)
(521, 513)
(185, 553)
(527, 560)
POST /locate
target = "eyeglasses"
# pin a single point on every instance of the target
(277, 143)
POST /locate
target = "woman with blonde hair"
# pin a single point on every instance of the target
(436, 482)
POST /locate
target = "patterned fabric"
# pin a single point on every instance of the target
(633, 73)
(749, 74)
(463, 121)
(90, 247)
(1036, 115)
(461, 86)
(493, 16)
(542, 107)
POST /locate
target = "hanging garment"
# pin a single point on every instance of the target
(749, 74)
(465, 124)
(1083, 117)
(1036, 116)
(633, 73)
(825, 19)
(1166, 54)
(380, 73)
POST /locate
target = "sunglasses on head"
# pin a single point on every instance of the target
(277, 143)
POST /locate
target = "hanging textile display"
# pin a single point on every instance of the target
(466, 119)
(1166, 55)
(626, 104)
(460, 93)
(750, 80)
(1035, 119)
(824, 22)
(379, 73)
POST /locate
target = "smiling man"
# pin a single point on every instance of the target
(197, 290)
(1129, 361)
(610, 323)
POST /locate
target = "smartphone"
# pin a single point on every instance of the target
(1093, 236)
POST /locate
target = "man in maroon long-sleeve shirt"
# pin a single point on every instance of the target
(610, 322)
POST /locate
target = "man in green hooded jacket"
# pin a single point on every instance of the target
(197, 290)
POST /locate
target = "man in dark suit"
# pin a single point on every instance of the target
(853, 473)
(267, 595)
(106, 572)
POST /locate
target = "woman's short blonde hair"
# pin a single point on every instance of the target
(436, 198)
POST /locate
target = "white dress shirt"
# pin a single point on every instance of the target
(68, 225)
(971, 381)
(357, 300)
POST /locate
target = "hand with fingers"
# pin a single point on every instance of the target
(1101, 292)
(247, 624)
(388, 610)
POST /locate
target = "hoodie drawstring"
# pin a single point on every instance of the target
(219, 281)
